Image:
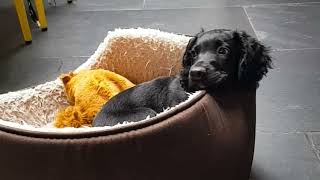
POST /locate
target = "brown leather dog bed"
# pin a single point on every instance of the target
(206, 137)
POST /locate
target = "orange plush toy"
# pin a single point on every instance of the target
(87, 91)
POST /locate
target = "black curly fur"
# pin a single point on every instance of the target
(253, 61)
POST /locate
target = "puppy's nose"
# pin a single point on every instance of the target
(197, 73)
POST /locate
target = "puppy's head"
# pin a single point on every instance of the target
(220, 58)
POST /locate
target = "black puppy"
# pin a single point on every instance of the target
(216, 60)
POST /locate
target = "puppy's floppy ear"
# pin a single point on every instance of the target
(255, 60)
(187, 61)
(187, 57)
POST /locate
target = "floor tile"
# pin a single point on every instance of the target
(287, 27)
(158, 4)
(284, 157)
(288, 100)
(21, 73)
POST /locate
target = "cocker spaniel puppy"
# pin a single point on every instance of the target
(222, 59)
(216, 60)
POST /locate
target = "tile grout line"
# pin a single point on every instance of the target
(60, 66)
(199, 7)
(143, 4)
(286, 132)
(81, 56)
(251, 24)
(313, 147)
(294, 49)
(235, 6)
(281, 4)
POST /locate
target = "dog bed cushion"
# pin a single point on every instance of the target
(139, 55)
(206, 137)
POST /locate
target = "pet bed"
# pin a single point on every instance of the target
(206, 137)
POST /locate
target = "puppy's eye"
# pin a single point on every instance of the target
(222, 51)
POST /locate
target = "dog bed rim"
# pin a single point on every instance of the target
(103, 132)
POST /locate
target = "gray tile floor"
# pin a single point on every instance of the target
(288, 115)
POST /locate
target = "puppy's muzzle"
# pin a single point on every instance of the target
(197, 73)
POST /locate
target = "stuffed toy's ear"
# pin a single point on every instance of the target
(255, 61)
(65, 78)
